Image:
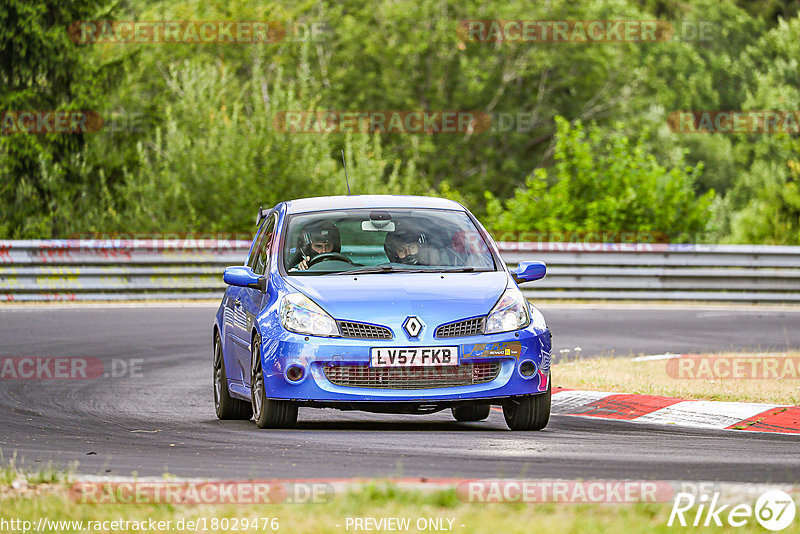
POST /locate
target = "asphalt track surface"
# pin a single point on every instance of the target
(163, 421)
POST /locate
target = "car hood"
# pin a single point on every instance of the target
(387, 299)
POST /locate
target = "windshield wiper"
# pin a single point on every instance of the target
(464, 270)
(370, 270)
(456, 270)
(380, 269)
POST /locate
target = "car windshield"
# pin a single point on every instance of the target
(384, 241)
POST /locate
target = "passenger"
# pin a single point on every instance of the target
(412, 248)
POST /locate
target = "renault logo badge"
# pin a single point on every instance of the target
(413, 326)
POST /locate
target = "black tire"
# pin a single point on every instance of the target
(226, 406)
(268, 413)
(529, 412)
(471, 412)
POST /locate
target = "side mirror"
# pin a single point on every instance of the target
(528, 271)
(262, 212)
(243, 276)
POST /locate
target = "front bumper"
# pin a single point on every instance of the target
(313, 354)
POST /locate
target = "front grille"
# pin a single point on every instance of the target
(364, 330)
(361, 376)
(467, 327)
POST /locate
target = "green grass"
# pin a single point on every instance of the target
(623, 375)
(49, 494)
(376, 500)
(46, 474)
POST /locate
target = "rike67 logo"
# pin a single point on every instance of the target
(774, 510)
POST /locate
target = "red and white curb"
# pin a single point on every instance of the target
(747, 416)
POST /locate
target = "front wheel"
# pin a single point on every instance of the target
(268, 413)
(529, 412)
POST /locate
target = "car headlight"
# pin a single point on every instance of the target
(510, 313)
(537, 319)
(302, 315)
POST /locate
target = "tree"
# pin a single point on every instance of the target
(217, 155)
(42, 70)
(764, 204)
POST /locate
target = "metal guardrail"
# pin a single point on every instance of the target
(651, 271)
(68, 270)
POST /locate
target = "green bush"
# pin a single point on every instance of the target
(602, 181)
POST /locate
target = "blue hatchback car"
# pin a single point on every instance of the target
(390, 304)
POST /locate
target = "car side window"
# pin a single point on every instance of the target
(251, 260)
(261, 254)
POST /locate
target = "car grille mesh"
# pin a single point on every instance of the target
(361, 376)
(467, 327)
(364, 331)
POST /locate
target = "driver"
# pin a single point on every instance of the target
(318, 237)
(411, 248)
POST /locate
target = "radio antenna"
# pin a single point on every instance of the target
(345, 173)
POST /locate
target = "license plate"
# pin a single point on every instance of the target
(413, 356)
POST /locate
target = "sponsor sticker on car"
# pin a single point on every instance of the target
(413, 356)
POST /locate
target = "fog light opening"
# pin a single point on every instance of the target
(527, 368)
(295, 373)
